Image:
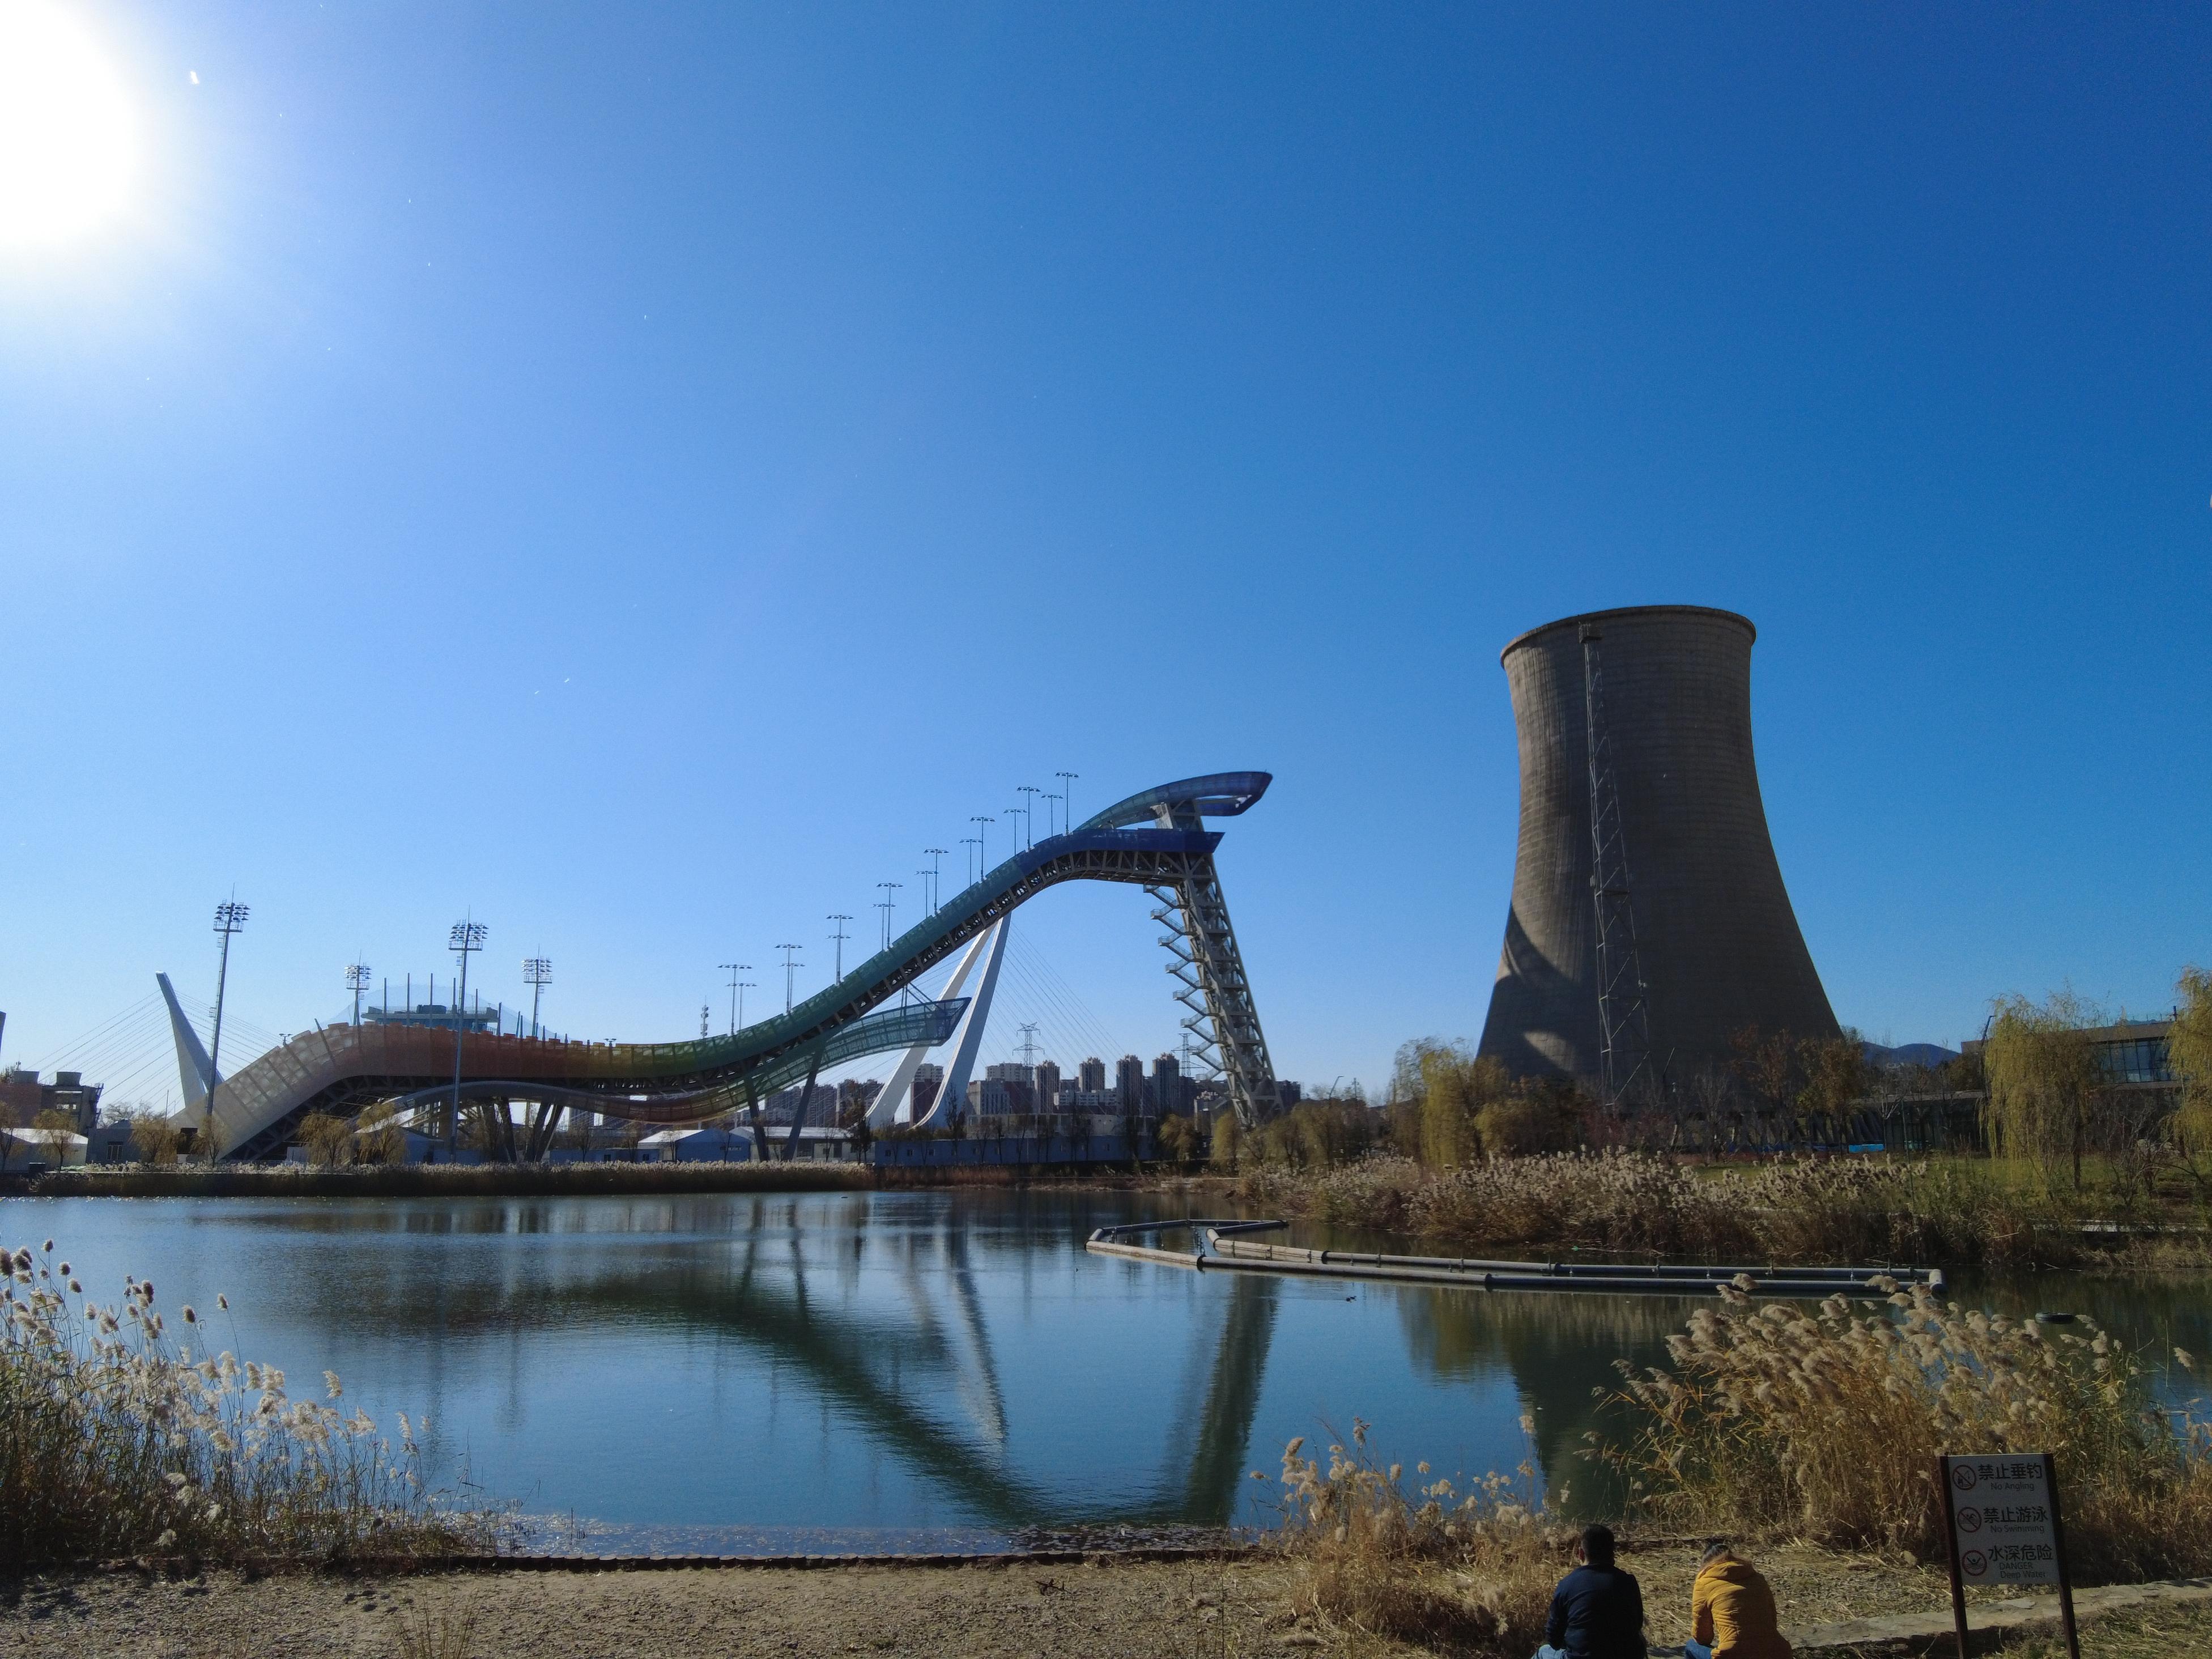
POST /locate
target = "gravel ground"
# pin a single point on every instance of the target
(1113, 1609)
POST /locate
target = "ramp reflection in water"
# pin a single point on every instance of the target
(833, 1371)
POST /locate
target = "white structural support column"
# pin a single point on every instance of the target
(891, 1105)
(194, 1070)
(952, 1098)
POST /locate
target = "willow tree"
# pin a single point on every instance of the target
(2043, 1080)
(1455, 1087)
(2189, 1050)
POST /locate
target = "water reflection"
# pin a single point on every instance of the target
(1562, 1352)
(855, 1370)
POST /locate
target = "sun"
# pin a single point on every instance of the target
(66, 136)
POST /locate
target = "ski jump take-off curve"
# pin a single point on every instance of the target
(1155, 839)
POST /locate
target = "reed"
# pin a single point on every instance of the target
(1629, 1204)
(123, 1437)
(1426, 1562)
(1825, 1424)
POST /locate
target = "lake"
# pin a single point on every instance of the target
(835, 1371)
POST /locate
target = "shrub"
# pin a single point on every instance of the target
(1464, 1572)
(155, 1138)
(116, 1441)
(1177, 1138)
(329, 1140)
(1827, 1424)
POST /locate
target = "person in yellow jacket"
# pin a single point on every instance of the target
(1732, 1611)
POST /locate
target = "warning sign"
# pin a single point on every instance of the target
(2001, 1526)
(2001, 1514)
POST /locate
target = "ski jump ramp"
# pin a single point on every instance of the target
(1155, 839)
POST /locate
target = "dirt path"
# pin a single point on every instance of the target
(1110, 1608)
(1110, 1612)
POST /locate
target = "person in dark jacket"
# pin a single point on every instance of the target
(1597, 1611)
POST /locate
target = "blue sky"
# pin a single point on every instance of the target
(639, 474)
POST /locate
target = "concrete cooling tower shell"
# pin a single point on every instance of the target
(1718, 942)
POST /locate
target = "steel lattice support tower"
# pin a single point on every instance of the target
(1190, 988)
(1223, 1021)
(1624, 1021)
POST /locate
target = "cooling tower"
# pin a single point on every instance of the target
(1716, 939)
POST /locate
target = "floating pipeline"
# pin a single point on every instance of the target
(1222, 1252)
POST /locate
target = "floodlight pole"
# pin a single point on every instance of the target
(466, 938)
(357, 981)
(888, 889)
(1051, 815)
(537, 974)
(982, 858)
(971, 841)
(733, 969)
(935, 853)
(1067, 786)
(1029, 813)
(790, 968)
(229, 918)
(839, 936)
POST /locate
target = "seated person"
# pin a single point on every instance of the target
(1597, 1611)
(1732, 1611)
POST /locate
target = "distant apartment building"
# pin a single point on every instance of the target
(821, 1106)
(1129, 1083)
(1172, 1092)
(928, 1078)
(1003, 1090)
(69, 1092)
(1090, 1076)
(1047, 1086)
(1001, 1096)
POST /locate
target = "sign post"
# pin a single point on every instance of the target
(2001, 1523)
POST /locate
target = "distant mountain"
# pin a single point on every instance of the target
(1931, 1055)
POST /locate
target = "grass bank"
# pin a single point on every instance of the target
(1955, 1212)
(120, 1437)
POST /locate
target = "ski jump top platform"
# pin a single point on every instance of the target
(1155, 838)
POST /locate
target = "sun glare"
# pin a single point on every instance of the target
(65, 128)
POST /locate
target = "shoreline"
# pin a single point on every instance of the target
(2039, 1242)
(562, 1180)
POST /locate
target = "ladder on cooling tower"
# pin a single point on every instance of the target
(1624, 1021)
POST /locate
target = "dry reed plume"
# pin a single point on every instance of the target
(116, 1441)
(1826, 1425)
(1468, 1572)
